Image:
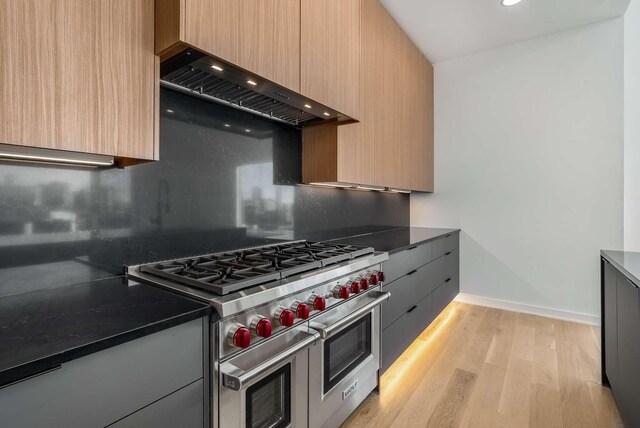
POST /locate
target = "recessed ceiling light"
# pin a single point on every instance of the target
(307, 106)
(215, 67)
(510, 2)
(247, 130)
(169, 110)
(326, 113)
(251, 82)
(226, 125)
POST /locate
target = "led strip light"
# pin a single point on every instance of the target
(32, 154)
(351, 186)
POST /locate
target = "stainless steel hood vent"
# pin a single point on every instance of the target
(197, 74)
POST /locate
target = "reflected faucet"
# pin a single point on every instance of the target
(163, 204)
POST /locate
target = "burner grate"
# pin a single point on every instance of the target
(223, 273)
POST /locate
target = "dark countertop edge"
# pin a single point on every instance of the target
(424, 241)
(398, 249)
(603, 253)
(51, 362)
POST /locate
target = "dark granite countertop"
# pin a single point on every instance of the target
(397, 239)
(41, 330)
(626, 262)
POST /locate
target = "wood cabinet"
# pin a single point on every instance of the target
(79, 75)
(392, 146)
(330, 53)
(262, 37)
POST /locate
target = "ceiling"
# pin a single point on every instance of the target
(447, 29)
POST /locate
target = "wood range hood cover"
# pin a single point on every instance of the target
(201, 75)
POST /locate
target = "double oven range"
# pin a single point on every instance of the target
(298, 341)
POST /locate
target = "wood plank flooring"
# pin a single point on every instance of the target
(482, 367)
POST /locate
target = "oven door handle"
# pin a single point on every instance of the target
(236, 379)
(327, 331)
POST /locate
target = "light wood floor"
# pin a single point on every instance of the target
(482, 367)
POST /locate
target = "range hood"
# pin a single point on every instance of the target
(192, 72)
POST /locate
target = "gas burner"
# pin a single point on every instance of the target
(223, 273)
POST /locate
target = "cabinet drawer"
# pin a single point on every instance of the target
(183, 408)
(104, 387)
(448, 266)
(445, 293)
(397, 337)
(399, 264)
(411, 288)
(445, 244)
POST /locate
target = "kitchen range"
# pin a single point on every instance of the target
(298, 339)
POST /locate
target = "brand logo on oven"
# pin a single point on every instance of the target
(231, 383)
(347, 392)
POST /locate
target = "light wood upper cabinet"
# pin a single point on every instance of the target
(79, 75)
(262, 37)
(330, 53)
(392, 146)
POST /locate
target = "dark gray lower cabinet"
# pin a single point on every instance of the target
(610, 320)
(183, 408)
(423, 281)
(628, 351)
(117, 383)
(445, 293)
(621, 340)
(397, 337)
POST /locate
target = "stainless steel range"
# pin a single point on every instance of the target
(299, 329)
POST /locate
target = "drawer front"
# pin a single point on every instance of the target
(399, 264)
(104, 387)
(445, 244)
(183, 408)
(448, 265)
(397, 337)
(411, 288)
(445, 293)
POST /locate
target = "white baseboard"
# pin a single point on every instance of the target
(528, 309)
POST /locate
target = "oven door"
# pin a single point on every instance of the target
(344, 368)
(266, 386)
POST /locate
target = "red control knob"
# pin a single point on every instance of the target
(261, 327)
(373, 279)
(318, 303)
(380, 276)
(302, 310)
(240, 336)
(355, 287)
(285, 317)
(364, 283)
(340, 292)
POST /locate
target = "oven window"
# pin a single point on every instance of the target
(345, 351)
(269, 401)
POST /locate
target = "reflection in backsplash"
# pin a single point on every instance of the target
(226, 179)
(266, 211)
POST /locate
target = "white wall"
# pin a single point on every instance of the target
(632, 127)
(528, 163)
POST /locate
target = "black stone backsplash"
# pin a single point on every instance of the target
(226, 179)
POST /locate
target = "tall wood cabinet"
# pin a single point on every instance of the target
(330, 53)
(392, 146)
(262, 37)
(79, 75)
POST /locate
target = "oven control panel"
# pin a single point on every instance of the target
(251, 327)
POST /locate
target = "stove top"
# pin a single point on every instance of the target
(228, 272)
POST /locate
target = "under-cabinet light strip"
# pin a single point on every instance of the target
(32, 154)
(352, 186)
